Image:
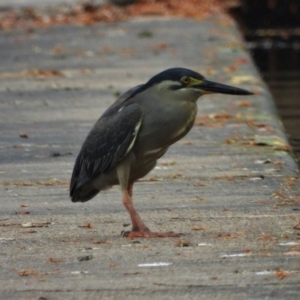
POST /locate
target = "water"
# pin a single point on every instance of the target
(279, 63)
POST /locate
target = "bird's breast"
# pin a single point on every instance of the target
(163, 125)
(185, 126)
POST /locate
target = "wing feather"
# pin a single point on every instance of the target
(108, 142)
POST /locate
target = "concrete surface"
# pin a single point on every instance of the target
(231, 187)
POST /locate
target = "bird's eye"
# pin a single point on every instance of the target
(185, 80)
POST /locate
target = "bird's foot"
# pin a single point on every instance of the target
(149, 234)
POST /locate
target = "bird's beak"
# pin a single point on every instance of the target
(209, 87)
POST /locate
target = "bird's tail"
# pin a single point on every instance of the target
(84, 194)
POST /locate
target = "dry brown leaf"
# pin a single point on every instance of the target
(293, 252)
(27, 272)
(264, 237)
(182, 243)
(297, 226)
(261, 201)
(58, 50)
(207, 122)
(54, 260)
(243, 104)
(221, 116)
(241, 60)
(229, 236)
(44, 73)
(22, 212)
(197, 228)
(87, 225)
(198, 199)
(281, 274)
(160, 46)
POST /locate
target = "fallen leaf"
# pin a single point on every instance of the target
(23, 135)
(243, 104)
(182, 243)
(22, 212)
(241, 60)
(221, 116)
(27, 272)
(54, 260)
(160, 46)
(228, 235)
(106, 49)
(230, 69)
(200, 184)
(58, 50)
(294, 252)
(198, 199)
(87, 225)
(197, 228)
(297, 226)
(264, 237)
(281, 274)
(261, 201)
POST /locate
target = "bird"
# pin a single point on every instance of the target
(134, 132)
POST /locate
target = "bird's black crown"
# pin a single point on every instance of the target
(173, 74)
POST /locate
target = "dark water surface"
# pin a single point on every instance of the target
(279, 63)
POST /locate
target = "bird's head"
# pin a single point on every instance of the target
(187, 84)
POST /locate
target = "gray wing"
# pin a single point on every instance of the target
(108, 142)
(122, 100)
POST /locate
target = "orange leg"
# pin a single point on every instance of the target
(139, 229)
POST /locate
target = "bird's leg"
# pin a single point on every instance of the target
(139, 229)
(138, 225)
